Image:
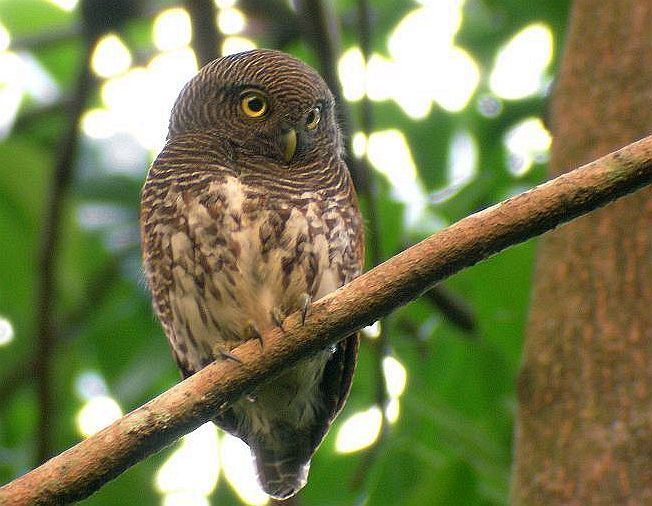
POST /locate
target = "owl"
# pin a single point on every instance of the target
(247, 215)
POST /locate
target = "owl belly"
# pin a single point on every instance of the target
(234, 271)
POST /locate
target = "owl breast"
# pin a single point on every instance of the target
(238, 260)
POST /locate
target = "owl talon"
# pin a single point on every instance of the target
(227, 355)
(278, 317)
(305, 301)
(252, 332)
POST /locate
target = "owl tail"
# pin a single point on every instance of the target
(282, 471)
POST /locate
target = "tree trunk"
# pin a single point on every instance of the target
(584, 428)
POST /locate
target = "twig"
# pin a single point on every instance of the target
(49, 38)
(410, 329)
(20, 374)
(322, 27)
(94, 293)
(369, 188)
(48, 254)
(82, 469)
(370, 192)
(65, 34)
(37, 114)
(97, 18)
(271, 20)
(206, 40)
(454, 308)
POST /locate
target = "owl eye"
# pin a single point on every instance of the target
(253, 104)
(313, 118)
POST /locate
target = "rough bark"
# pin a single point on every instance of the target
(82, 469)
(584, 429)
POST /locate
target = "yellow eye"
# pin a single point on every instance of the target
(253, 104)
(313, 118)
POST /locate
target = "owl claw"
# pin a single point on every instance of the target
(252, 332)
(305, 301)
(278, 317)
(227, 355)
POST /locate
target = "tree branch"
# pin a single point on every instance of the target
(95, 291)
(82, 469)
(454, 308)
(48, 255)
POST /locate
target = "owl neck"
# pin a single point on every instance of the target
(196, 156)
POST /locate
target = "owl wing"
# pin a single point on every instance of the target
(338, 373)
(174, 180)
(156, 213)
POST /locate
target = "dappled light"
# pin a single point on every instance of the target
(390, 155)
(66, 5)
(111, 57)
(519, 69)
(231, 21)
(393, 410)
(527, 142)
(395, 376)
(225, 4)
(172, 29)
(359, 431)
(139, 102)
(233, 44)
(372, 331)
(90, 384)
(6, 331)
(5, 38)
(11, 90)
(462, 159)
(193, 468)
(185, 498)
(98, 412)
(449, 76)
(238, 469)
(99, 409)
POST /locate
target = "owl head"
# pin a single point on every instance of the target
(264, 103)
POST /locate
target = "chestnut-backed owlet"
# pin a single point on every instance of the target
(248, 214)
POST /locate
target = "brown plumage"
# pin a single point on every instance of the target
(247, 214)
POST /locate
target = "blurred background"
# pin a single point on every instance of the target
(444, 105)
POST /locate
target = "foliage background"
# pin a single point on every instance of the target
(451, 443)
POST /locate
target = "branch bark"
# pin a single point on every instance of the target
(82, 469)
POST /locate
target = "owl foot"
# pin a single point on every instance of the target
(227, 355)
(278, 317)
(305, 301)
(251, 332)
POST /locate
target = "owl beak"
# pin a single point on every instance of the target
(289, 140)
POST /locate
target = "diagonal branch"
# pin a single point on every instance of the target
(82, 469)
(454, 308)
